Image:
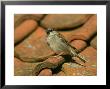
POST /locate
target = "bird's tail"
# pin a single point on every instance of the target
(82, 58)
(75, 54)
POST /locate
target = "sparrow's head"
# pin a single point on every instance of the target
(49, 30)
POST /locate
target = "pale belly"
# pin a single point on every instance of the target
(58, 46)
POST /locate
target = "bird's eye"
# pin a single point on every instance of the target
(49, 30)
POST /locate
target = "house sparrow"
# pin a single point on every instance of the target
(59, 45)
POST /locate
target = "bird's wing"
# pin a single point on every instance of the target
(66, 42)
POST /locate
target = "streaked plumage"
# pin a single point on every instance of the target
(58, 44)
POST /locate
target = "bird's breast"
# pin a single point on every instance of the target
(56, 44)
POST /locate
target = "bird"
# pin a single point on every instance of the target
(60, 46)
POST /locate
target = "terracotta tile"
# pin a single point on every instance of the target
(85, 32)
(23, 68)
(45, 72)
(91, 64)
(79, 44)
(64, 21)
(34, 48)
(19, 18)
(55, 60)
(73, 69)
(94, 42)
(61, 73)
(24, 29)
